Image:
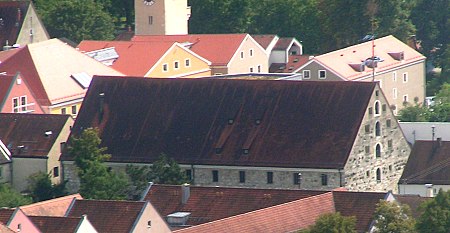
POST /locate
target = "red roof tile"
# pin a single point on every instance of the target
(264, 40)
(208, 204)
(283, 43)
(108, 216)
(217, 48)
(135, 58)
(295, 62)
(5, 215)
(428, 163)
(287, 217)
(5, 229)
(55, 207)
(5, 85)
(56, 224)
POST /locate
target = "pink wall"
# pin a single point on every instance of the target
(19, 219)
(19, 90)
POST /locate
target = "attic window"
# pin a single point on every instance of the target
(397, 55)
(83, 79)
(359, 67)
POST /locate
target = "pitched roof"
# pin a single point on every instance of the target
(136, 58)
(295, 62)
(339, 61)
(49, 224)
(54, 207)
(5, 86)
(283, 43)
(5, 229)
(24, 134)
(217, 48)
(264, 40)
(414, 202)
(428, 163)
(12, 15)
(5, 215)
(4, 55)
(208, 204)
(362, 205)
(212, 121)
(287, 217)
(47, 66)
(108, 216)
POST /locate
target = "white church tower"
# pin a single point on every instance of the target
(161, 17)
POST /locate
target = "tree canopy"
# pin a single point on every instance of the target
(41, 187)
(436, 214)
(333, 222)
(10, 197)
(393, 217)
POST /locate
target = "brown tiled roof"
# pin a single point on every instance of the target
(287, 217)
(108, 216)
(428, 163)
(283, 43)
(264, 40)
(24, 134)
(212, 121)
(5, 215)
(295, 62)
(49, 224)
(413, 201)
(5, 85)
(54, 207)
(208, 204)
(362, 205)
(12, 15)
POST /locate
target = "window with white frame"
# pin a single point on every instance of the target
(306, 74)
(176, 64)
(377, 107)
(322, 74)
(187, 62)
(165, 67)
(405, 77)
(23, 103)
(394, 76)
(15, 104)
(20, 104)
(378, 150)
(394, 93)
(377, 129)
(251, 52)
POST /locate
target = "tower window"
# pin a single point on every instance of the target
(150, 20)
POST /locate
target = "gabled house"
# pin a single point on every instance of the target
(148, 59)
(56, 207)
(428, 169)
(17, 221)
(56, 73)
(16, 96)
(119, 216)
(53, 224)
(34, 142)
(20, 24)
(249, 133)
(228, 53)
(398, 68)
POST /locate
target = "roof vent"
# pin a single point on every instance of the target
(178, 218)
(281, 67)
(371, 63)
(48, 133)
(358, 66)
(295, 60)
(397, 55)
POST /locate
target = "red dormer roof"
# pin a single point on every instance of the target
(217, 48)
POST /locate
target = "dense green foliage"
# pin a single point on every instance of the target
(333, 222)
(41, 187)
(439, 112)
(163, 171)
(11, 198)
(392, 217)
(436, 214)
(96, 180)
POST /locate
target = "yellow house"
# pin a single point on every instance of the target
(148, 59)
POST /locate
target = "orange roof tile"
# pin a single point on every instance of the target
(287, 217)
(338, 61)
(217, 48)
(53, 207)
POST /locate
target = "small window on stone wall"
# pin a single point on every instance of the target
(241, 176)
(270, 177)
(378, 175)
(383, 107)
(388, 123)
(215, 176)
(377, 108)
(367, 173)
(324, 178)
(389, 143)
(367, 149)
(377, 129)
(370, 110)
(378, 150)
(367, 129)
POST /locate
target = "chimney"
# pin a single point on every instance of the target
(429, 190)
(185, 193)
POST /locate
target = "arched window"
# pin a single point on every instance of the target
(377, 107)
(377, 129)
(378, 175)
(378, 150)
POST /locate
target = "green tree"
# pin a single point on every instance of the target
(415, 113)
(436, 214)
(165, 170)
(76, 19)
(392, 217)
(333, 222)
(41, 187)
(96, 180)
(11, 198)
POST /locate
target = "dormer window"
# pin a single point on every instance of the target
(397, 55)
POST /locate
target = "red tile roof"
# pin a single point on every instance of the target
(362, 205)
(108, 216)
(135, 58)
(190, 119)
(5, 85)
(208, 204)
(287, 217)
(55, 207)
(295, 62)
(217, 48)
(4, 55)
(28, 130)
(264, 40)
(56, 224)
(5, 215)
(5, 229)
(428, 163)
(283, 43)
(12, 15)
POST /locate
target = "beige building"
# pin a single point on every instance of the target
(399, 69)
(161, 17)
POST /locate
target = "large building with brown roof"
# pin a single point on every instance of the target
(34, 142)
(398, 68)
(250, 133)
